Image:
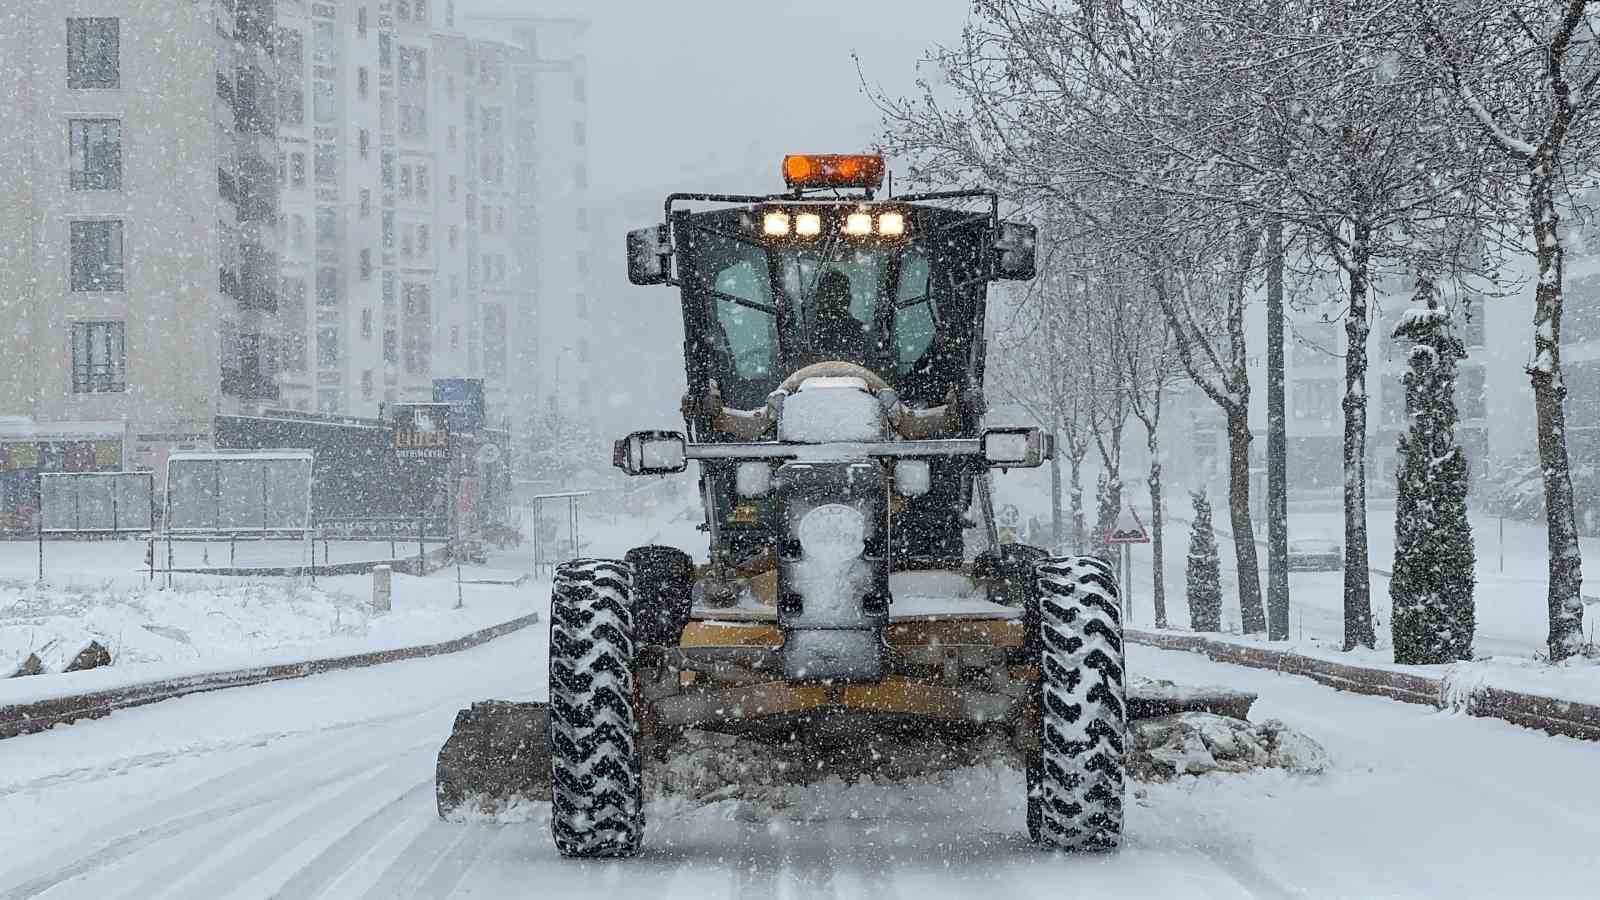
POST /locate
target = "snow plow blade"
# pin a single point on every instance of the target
(497, 756)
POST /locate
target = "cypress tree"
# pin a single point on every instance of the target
(1204, 580)
(1433, 616)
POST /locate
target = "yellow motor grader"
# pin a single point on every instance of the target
(854, 586)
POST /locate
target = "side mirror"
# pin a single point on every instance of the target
(1016, 245)
(651, 453)
(1017, 448)
(649, 255)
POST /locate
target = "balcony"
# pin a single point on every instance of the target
(228, 282)
(249, 385)
(227, 189)
(258, 281)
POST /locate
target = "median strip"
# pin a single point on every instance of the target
(38, 715)
(1552, 715)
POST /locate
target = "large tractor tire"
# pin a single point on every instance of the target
(1076, 777)
(662, 580)
(597, 803)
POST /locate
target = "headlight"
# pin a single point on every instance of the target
(891, 224)
(833, 531)
(775, 224)
(858, 224)
(911, 477)
(753, 479)
(808, 225)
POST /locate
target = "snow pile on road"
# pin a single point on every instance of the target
(764, 781)
(1198, 743)
(143, 623)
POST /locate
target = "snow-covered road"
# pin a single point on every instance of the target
(323, 788)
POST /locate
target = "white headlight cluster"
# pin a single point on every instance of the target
(856, 224)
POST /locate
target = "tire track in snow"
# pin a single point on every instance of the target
(336, 860)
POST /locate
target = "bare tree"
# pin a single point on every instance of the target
(1523, 75)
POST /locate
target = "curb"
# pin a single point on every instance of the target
(1560, 717)
(39, 715)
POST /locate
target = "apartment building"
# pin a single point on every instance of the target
(554, 341)
(138, 281)
(398, 173)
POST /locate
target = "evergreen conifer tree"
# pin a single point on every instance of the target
(1433, 616)
(1204, 580)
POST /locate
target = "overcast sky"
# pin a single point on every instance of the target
(712, 93)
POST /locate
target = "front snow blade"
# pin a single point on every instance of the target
(498, 756)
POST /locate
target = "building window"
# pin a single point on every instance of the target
(366, 202)
(385, 50)
(422, 182)
(292, 320)
(454, 232)
(328, 286)
(422, 240)
(419, 328)
(97, 256)
(386, 169)
(388, 289)
(453, 187)
(402, 9)
(494, 340)
(366, 264)
(93, 51)
(367, 389)
(362, 81)
(413, 89)
(405, 181)
(391, 347)
(327, 163)
(99, 358)
(95, 154)
(491, 149)
(366, 324)
(421, 14)
(327, 347)
(299, 231)
(297, 169)
(291, 77)
(450, 137)
(364, 142)
(327, 226)
(500, 219)
(361, 21)
(405, 240)
(388, 229)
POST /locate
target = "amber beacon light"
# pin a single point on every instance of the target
(815, 170)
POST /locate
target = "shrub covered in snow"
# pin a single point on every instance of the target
(1433, 614)
(1204, 570)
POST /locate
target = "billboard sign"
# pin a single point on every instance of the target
(465, 397)
(110, 502)
(235, 491)
(422, 432)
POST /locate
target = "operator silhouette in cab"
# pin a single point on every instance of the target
(836, 335)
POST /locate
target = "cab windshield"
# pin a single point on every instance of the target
(772, 308)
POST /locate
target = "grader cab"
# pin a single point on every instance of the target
(853, 584)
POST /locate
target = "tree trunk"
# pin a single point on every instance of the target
(1077, 504)
(1277, 446)
(1057, 527)
(1549, 395)
(1357, 580)
(1157, 574)
(1251, 614)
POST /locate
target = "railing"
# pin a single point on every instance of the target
(227, 187)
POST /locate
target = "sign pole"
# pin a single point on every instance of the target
(38, 526)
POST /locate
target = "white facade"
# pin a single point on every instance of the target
(137, 280)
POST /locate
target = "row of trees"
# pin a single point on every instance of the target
(1184, 154)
